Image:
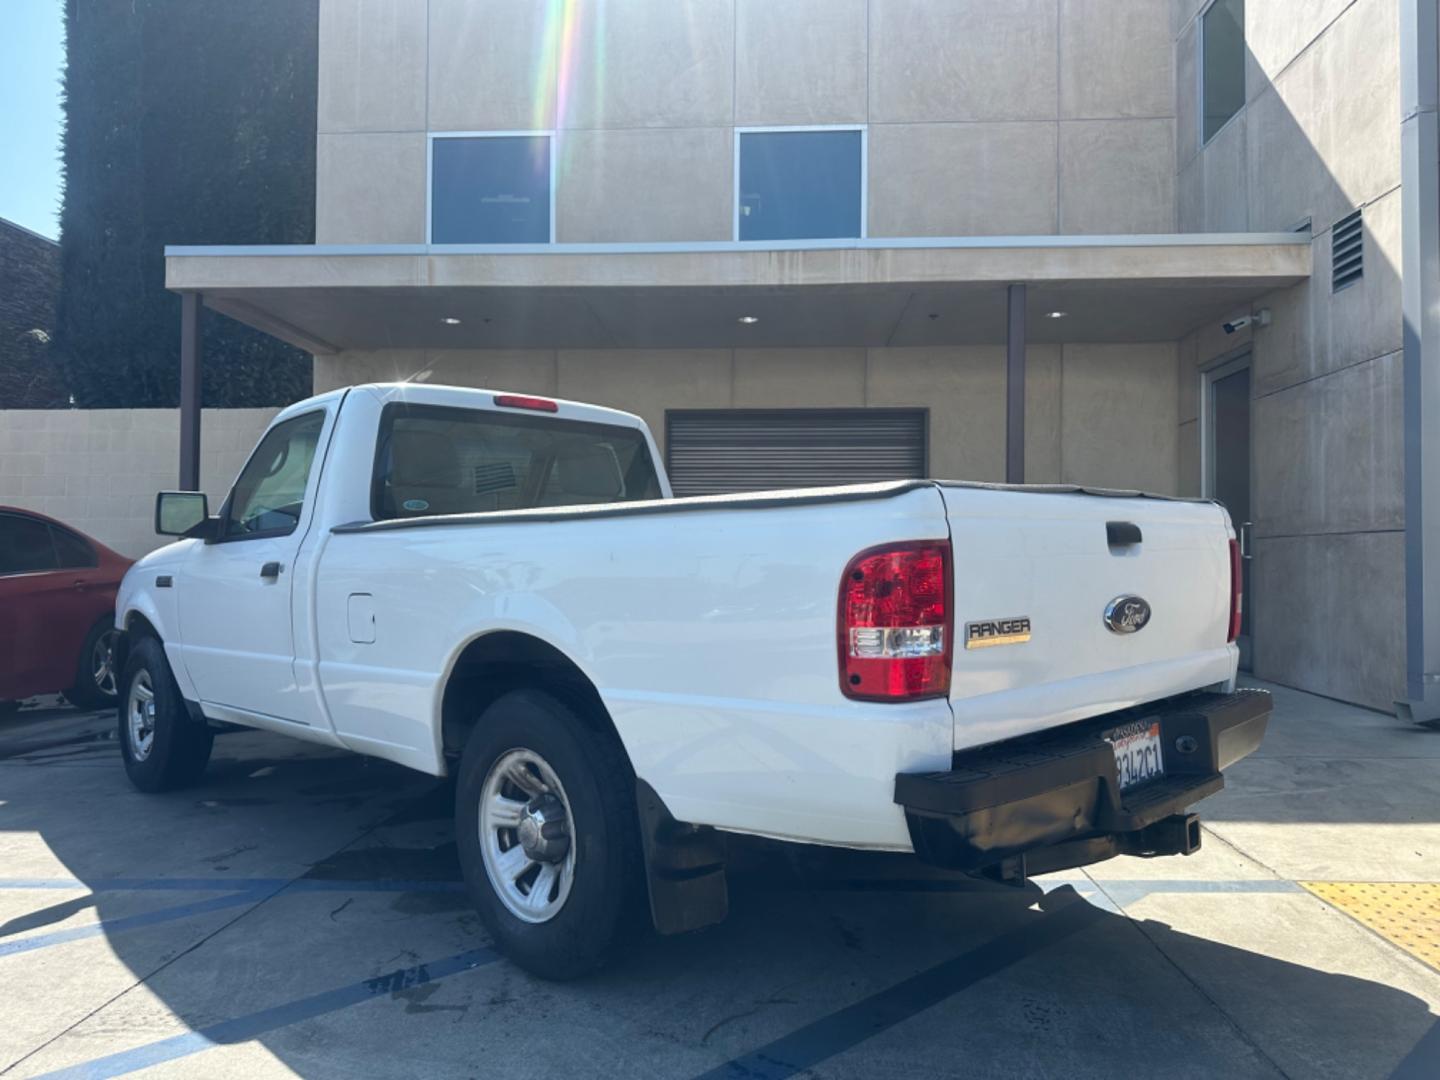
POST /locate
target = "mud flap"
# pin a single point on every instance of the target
(684, 868)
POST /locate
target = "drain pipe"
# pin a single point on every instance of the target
(1420, 209)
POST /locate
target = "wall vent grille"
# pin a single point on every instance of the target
(1347, 252)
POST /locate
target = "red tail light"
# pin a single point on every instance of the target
(895, 623)
(1236, 600)
(523, 401)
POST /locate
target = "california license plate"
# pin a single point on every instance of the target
(1137, 752)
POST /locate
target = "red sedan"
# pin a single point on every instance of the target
(57, 611)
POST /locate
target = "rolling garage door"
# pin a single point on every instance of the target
(714, 451)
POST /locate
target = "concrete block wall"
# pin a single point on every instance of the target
(1317, 138)
(99, 469)
(1076, 394)
(1021, 117)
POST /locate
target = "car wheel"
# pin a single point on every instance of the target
(163, 747)
(95, 674)
(547, 834)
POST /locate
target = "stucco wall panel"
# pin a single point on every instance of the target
(492, 65)
(645, 185)
(801, 62)
(799, 378)
(1329, 453)
(371, 65)
(370, 189)
(962, 179)
(963, 60)
(1115, 59)
(1118, 416)
(1117, 176)
(1328, 616)
(650, 65)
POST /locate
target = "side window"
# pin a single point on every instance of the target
(25, 546)
(73, 552)
(1222, 65)
(270, 493)
(801, 185)
(490, 190)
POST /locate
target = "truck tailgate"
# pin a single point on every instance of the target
(1047, 559)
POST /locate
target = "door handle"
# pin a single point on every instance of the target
(1245, 528)
(79, 586)
(270, 571)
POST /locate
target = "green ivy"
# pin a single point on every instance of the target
(186, 122)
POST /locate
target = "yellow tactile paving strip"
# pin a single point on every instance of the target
(1405, 913)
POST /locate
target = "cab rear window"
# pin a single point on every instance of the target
(433, 459)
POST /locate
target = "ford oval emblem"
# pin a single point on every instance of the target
(1127, 614)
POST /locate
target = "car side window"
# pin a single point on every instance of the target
(270, 494)
(25, 545)
(72, 552)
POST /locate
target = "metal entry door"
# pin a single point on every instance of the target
(715, 451)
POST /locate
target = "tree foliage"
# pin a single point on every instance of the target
(29, 283)
(186, 122)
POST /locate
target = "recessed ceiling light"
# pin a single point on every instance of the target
(749, 319)
(1056, 314)
(450, 320)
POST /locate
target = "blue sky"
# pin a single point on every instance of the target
(32, 55)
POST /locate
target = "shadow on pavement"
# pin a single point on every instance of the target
(832, 963)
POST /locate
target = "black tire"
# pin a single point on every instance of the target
(608, 881)
(87, 692)
(180, 746)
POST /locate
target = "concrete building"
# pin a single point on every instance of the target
(824, 240)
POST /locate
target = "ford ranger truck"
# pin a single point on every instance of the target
(501, 589)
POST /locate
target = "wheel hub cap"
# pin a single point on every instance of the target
(543, 831)
(140, 716)
(526, 825)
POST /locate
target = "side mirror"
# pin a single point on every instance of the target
(182, 513)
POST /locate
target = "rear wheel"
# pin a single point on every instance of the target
(95, 675)
(547, 833)
(162, 746)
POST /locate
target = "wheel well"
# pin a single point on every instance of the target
(137, 626)
(495, 664)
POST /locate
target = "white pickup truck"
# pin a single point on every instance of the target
(501, 588)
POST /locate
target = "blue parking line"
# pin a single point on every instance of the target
(806, 1047)
(130, 922)
(256, 1024)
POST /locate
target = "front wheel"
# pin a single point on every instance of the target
(547, 832)
(95, 674)
(163, 747)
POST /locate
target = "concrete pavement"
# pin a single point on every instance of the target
(300, 912)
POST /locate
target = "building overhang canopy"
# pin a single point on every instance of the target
(877, 292)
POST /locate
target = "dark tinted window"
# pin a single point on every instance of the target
(800, 185)
(436, 460)
(1222, 54)
(25, 545)
(490, 190)
(72, 551)
(270, 493)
